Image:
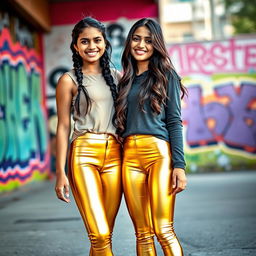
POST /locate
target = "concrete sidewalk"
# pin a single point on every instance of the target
(215, 216)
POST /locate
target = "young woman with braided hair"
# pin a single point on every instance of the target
(89, 92)
(149, 120)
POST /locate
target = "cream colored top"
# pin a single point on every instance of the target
(99, 117)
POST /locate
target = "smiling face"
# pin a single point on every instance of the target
(141, 44)
(90, 45)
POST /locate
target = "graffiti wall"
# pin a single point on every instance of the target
(24, 154)
(219, 113)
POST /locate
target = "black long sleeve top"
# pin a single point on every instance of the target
(167, 125)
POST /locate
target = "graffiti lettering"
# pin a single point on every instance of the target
(234, 122)
(250, 55)
(23, 130)
(208, 58)
(239, 114)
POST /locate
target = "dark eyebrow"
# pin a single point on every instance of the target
(147, 37)
(84, 38)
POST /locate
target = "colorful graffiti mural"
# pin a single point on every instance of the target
(220, 112)
(24, 151)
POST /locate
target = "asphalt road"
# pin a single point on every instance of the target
(215, 216)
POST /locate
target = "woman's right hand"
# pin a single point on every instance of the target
(62, 187)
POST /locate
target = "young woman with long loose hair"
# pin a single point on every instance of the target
(149, 120)
(89, 92)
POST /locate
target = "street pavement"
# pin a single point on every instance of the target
(215, 216)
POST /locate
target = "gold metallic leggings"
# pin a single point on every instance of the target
(95, 180)
(147, 189)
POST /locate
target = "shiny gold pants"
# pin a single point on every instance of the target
(95, 180)
(147, 188)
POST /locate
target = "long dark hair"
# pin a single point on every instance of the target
(155, 85)
(78, 61)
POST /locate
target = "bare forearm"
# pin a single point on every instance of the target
(64, 94)
(62, 139)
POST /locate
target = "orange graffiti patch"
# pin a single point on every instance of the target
(211, 123)
(215, 98)
(252, 104)
(249, 121)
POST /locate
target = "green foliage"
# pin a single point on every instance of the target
(243, 15)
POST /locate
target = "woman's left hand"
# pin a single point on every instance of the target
(179, 180)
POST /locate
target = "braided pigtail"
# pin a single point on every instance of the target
(77, 64)
(106, 73)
